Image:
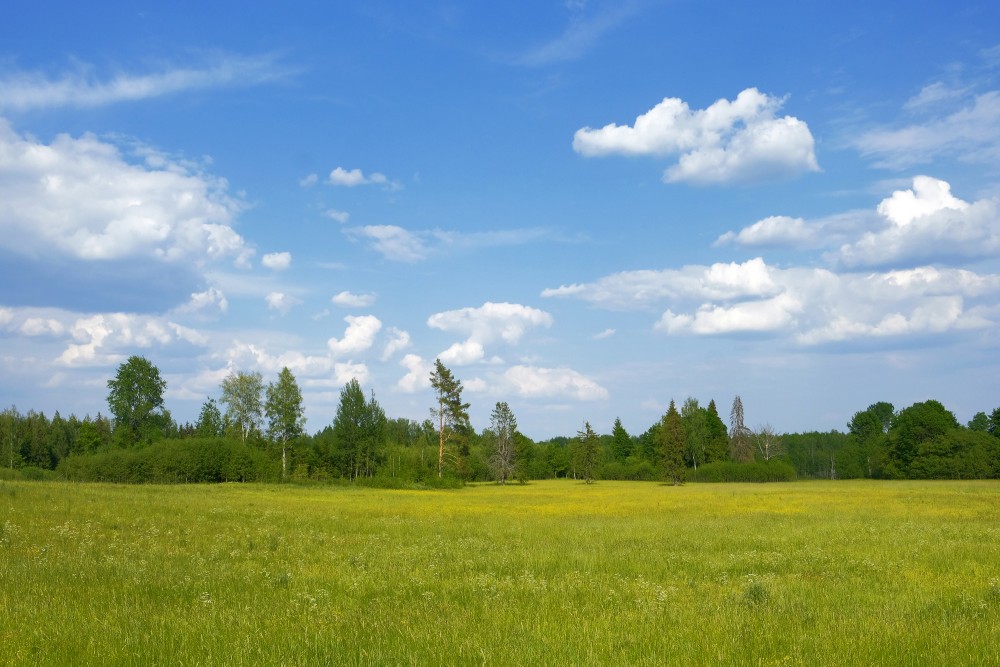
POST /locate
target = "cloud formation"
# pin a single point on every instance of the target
(359, 336)
(486, 324)
(347, 299)
(355, 177)
(738, 141)
(81, 88)
(277, 261)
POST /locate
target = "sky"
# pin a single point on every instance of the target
(584, 209)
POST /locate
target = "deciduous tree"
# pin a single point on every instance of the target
(135, 398)
(284, 412)
(241, 394)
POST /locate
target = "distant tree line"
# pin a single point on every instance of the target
(256, 432)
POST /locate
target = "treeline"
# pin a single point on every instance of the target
(256, 432)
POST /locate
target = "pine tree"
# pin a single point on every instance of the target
(587, 453)
(740, 445)
(672, 446)
(452, 413)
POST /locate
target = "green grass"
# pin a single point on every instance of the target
(807, 573)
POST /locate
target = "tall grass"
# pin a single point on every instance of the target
(805, 573)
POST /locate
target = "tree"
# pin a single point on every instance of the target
(671, 446)
(695, 421)
(994, 427)
(135, 399)
(452, 413)
(587, 452)
(767, 442)
(284, 413)
(241, 394)
(359, 430)
(210, 424)
(740, 447)
(919, 423)
(503, 438)
(10, 437)
(716, 437)
(621, 441)
(868, 431)
(979, 422)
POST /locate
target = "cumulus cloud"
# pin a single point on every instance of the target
(358, 337)
(418, 374)
(81, 88)
(347, 299)
(80, 198)
(808, 306)
(281, 302)
(486, 324)
(355, 177)
(537, 382)
(398, 340)
(211, 299)
(645, 288)
(277, 261)
(106, 338)
(926, 223)
(730, 141)
(773, 230)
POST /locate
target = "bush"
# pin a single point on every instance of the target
(190, 460)
(729, 471)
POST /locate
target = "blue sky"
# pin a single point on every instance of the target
(585, 209)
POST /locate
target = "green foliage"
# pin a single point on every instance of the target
(917, 424)
(210, 423)
(188, 460)
(586, 453)
(731, 471)
(695, 419)
(716, 436)
(453, 418)
(135, 399)
(358, 434)
(284, 412)
(241, 394)
(621, 442)
(502, 435)
(671, 446)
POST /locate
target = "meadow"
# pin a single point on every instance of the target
(550, 573)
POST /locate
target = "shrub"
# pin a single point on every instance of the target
(730, 471)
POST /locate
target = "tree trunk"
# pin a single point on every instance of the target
(440, 438)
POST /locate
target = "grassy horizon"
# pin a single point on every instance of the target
(554, 572)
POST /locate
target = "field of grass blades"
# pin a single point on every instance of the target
(558, 572)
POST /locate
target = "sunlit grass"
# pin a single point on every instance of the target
(817, 573)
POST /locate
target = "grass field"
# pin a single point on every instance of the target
(807, 573)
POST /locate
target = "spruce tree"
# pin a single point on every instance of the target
(672, 446)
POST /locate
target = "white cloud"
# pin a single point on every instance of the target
(463, 354)
(926, 223)
(340, 216)
(418, 374)
(345, 371)
(26, 91)
(970, 134)
(398, 340)
(355, 177)
(486, 324)
(751, 316)
(80, 198)
(730, 141)
(773, 230)
(604, 335)
(507, 321)
(277, 261)
(394, 243)
(106, 338)
(644, 288)
(533, 381)
(358, 337)
(579, 37)
(37, 326)
(309, 181)
(281, 302)
(349, 300)
(210, 299)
